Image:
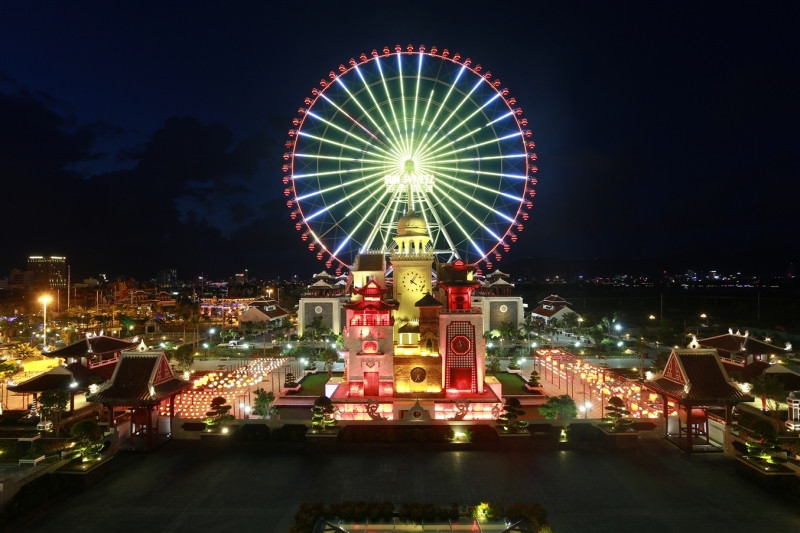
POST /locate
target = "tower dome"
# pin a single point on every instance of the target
(411, 225)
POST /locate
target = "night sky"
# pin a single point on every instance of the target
(148, 135)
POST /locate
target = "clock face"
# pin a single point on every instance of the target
(413, 282)
(460, 344)
(418, 374)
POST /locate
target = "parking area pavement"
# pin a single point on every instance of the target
(654, 488)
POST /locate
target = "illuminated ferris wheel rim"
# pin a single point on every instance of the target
(403, 169)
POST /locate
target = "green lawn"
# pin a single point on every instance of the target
(314, 384)
(513, 384)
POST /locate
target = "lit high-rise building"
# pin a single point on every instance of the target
(48, 272)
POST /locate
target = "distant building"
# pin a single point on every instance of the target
(48, 272)
(554, 307)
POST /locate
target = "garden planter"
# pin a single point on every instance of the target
(619, 439)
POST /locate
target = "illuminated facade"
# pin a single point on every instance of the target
(416, 352)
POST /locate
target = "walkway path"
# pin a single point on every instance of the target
(655, 488)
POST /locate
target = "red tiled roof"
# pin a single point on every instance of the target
(132, 383)
(95, 345)
(748, 372)
(58, 378)
(541, 311)
(696, 376)
(732, 343)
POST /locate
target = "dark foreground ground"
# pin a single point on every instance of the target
(185, 487)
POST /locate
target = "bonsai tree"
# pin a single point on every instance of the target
(534, 380)
(509, 419)
(87, 436)
(617, 414)
(322, 414)
(263, 404)
(289, 381)
(559, 408)
(219, 413)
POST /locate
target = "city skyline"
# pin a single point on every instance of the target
(144, 138)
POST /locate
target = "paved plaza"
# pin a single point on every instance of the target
(185, 486)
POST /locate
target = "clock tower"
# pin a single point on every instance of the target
(412, 260)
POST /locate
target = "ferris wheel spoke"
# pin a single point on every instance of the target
(401, 84)
(386, 123)
(417, 86)
(337, 186)
(434, 125)
(454, 114)
(418, 146)
(366, 218)
(352, 119)
(327, 208)
(337, 226)
(440, 226)
(451, 173)
(474, 132)
(384, 225)
(347, 133)
(390, 102)
(474, 199)
(352, 98)
(475, 145)
(454, 220)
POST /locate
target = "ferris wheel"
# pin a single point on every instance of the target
(410, 129)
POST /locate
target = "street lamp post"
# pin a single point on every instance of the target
(44, 300)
